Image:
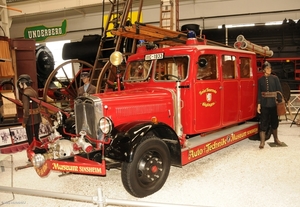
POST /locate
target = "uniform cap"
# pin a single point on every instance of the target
(265, 65)
(24, 78)
(85, 75)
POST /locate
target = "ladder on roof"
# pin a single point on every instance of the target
(159, 36)
(169, 14)
(103, 72)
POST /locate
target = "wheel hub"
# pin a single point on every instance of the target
(151, 169)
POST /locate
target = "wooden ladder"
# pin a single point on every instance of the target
(103, 72)
(169, 13)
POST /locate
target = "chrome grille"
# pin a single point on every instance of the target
(88, 111)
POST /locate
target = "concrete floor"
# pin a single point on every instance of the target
(240, 175)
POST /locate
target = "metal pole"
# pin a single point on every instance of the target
(100, 200)
(11, 181)
(144, 204)
(48, 194)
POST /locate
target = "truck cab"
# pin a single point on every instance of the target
(217, 84)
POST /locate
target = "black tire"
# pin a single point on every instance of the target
(149, 169)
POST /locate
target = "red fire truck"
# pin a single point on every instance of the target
(179, 104)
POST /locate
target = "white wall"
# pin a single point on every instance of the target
(206, 13)
(211, 13)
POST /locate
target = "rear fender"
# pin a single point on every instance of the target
(126, 139)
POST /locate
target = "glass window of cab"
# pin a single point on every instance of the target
(245, 68)
(171, 68)
(229, 70)
(138, 70)
(207, 67)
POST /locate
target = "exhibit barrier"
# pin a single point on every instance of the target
(99, 200)
(3, 158)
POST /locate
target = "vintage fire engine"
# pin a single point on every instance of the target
(179, 104)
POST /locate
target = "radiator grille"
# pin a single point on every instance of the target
(88, 111)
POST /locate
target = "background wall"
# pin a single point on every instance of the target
(207, 13)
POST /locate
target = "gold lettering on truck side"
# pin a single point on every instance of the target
(89, 169)
(215, 145)
(219, 143)
(194, 154)
(71, 168)
(208, 92)
(41, 171)
(252, 131)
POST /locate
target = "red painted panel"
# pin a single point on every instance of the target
(216, 144)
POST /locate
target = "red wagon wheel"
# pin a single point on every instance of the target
(63, 82)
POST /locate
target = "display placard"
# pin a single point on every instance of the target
(45, 129)
(18, 134)
(5, 137)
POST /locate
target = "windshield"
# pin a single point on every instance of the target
(138, 70)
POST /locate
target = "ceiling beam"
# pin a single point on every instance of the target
(34, 7)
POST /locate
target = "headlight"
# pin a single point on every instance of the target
(116, 58)
(105, 125)
(59, 117)
(38, 160)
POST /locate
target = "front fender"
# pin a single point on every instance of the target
(126, 138)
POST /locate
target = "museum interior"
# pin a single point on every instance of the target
(149, 103)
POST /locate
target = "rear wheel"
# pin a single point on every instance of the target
(149, 168)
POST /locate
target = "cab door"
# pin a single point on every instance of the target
(230, 91)
(247, 89)
(207, 101)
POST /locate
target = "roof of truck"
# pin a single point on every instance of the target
(188, 49)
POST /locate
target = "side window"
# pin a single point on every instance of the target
(207, 67)
(245, 68)
(171, 68)
(229, 67)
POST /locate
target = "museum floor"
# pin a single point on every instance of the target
(240, 175)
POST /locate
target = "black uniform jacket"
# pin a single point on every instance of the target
(31, 111)
(90, 90)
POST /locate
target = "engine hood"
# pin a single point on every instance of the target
(139, 104)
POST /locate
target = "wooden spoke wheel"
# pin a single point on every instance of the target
(108, 77)
(63, 82)
(103, 79)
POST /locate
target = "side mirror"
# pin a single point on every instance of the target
(202, 63)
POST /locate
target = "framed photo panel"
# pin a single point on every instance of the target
(45, 129)
(18, 134)
(5, 138)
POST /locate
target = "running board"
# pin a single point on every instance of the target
(203, 145)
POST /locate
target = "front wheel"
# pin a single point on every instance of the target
(149, 168)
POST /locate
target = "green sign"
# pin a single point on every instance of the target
(40, 33)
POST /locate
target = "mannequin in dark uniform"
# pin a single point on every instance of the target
(266, 103)
(31, 113)
(87, 87)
